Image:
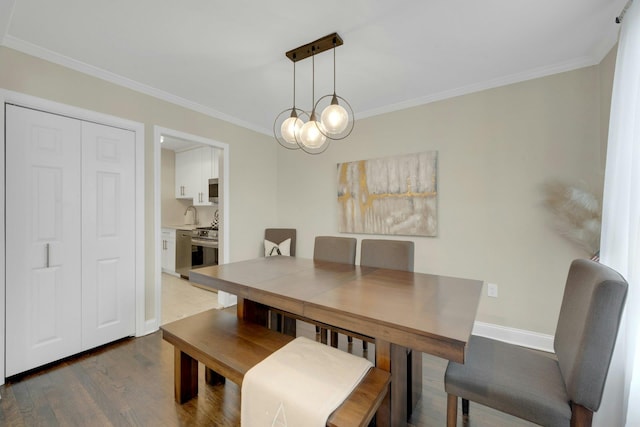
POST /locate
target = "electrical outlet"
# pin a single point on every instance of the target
(492, 290)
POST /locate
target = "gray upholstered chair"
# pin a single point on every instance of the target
(279, 235)
(535, 386)
(390, 254)
(334, 249)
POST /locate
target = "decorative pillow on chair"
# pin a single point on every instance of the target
(272, 249)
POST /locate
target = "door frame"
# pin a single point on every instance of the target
(28, 101)
(223, 257)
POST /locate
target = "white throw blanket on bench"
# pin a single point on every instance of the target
(299, 385)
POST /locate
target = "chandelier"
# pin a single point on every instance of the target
(331, 116)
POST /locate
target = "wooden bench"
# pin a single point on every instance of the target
(229, 347)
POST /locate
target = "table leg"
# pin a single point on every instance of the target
(276, 321)
(289, 326)
(185, 376)
(253, 311)
(393, 410)
(414, 379)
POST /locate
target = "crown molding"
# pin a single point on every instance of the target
(65, 61)
(20, 45)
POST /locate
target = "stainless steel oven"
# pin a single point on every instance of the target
(204, 247)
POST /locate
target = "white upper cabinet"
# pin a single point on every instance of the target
(187, 174)
(194, 168)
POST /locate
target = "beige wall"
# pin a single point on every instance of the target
(252, 155)
(496, 148)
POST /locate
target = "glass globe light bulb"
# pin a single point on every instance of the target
(335, 119)
(290, 128)
(310, 135)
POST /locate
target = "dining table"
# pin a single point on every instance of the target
(397, 310)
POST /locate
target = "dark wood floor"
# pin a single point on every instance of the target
(130, 383)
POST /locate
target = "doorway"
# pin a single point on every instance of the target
(187, 211)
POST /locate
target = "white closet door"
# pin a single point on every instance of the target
(43, 254)
(108, 234)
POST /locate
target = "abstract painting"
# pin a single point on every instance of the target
(392, 195)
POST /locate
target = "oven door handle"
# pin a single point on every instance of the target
(205, 243)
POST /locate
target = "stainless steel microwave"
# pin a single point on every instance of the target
(213, 190)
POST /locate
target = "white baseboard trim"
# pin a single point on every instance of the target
(515, 336)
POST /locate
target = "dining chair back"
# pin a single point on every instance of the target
(279, 235)
(335, 249)
(389, 254)
(535, 386)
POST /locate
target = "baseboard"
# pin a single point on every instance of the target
(515, 336)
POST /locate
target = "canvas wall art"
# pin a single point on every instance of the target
(392, 195)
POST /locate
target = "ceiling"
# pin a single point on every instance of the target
(227, 58)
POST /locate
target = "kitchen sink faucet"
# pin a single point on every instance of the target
(195, 213)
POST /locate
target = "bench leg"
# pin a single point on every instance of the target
(212, 377)
(185, 376)
(452, 410)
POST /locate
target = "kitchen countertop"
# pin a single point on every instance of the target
(181, 226)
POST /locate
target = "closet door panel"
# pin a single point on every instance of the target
(43, 256)
(108, 234)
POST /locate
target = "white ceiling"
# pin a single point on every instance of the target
(227, 58)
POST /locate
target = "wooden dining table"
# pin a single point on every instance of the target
(398, 310)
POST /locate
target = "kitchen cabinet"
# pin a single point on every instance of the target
(183, 252)
(169, 251)
(186, 175)
(194, 168)
(70, 273)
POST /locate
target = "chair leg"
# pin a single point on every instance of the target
(323, 336)
(452, 410)
(465, 408)
(580, 416)
(334, 339)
